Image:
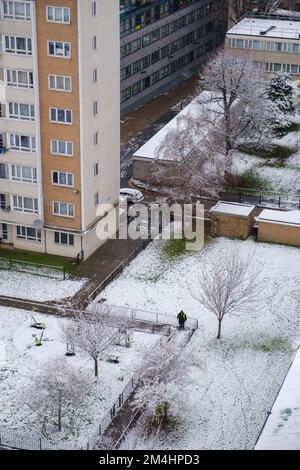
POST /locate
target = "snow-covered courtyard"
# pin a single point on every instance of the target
(232, 382)
(41, 289)
(21, 363)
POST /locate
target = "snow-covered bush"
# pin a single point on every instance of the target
(282, 90)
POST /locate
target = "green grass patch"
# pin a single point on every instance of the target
(293, 127)
(281, 152)
(173, 248)
(274, 163)
(35, 258)
(275, 344)
(250, 179)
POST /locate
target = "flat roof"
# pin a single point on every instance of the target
(282, 429)
(271, 28)
(280, 217)
(233, 208)
(192, 110)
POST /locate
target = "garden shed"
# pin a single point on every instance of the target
(279, 227)
(232, 220)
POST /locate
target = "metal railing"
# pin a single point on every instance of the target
(16, 440)
(261, 198)
(142, 315)
(53, 272)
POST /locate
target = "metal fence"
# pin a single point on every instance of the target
(264, 199)
(15, 440)
(36, 269)
(142, 315)
(95, 437)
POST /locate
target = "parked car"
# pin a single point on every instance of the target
(133, 196)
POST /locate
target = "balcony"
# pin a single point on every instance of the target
(3, 148)
(5, 203)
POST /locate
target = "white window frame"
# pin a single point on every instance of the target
(19, 204)
(15, 143)
(17, 174)
(17, 83)
(62, 10)
(59, 204)
(60, 238)
(56, 79)
(65, 111)
(24, 234)
(11, 13)
(17, 113)
(13, 45)
(65, 143)
(56, 49)
(59, 176)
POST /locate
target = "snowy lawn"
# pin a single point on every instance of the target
(21, 361)
(282, 178)
(37, 288)
(233, 381)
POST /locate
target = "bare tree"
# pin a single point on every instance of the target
(238, 104)
(188, 160)
(56, 394)
(229, 285)
(95, 331)
(92, 333)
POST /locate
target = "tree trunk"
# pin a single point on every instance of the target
(219, 329)
(59, 415)
(96, 367)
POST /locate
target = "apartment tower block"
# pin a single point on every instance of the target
(59, 122)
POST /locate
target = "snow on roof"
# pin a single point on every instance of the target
(271, 28)
(148, 150)
(233, 208)
(280, 217)
(282, 429)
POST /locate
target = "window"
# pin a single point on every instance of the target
(61, 178)
(95, 75)
(96, 138)
(60, 83)
(16, 10)
(24, 174)
(28, 233)
(22, 143)
(61, 116)
(94, 8)
(19, 78)
(21, 111)
(63, 209)
(25, 204)
(58, 15)
(59, 49)
(96, 199)
(96, 169)
(62, 238)
(18, 45)
(94, 43)
(62, 147)
(95, 108)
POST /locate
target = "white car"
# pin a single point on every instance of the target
(133, 196)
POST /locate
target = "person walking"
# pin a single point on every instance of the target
(181, 317)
